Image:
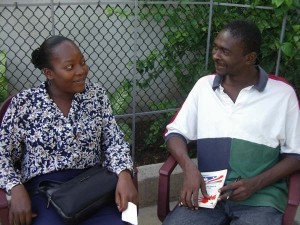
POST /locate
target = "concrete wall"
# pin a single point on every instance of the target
(148, 183)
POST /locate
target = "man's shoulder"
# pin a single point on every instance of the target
(209, 76)
(279, 82)
(206, 80)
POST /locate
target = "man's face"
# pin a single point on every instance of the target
(228, 54)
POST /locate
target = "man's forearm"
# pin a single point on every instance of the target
(282, 169)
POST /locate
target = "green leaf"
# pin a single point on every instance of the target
(296, 28)
(3, 80)
(289, 3)
(296, 3)
(3, 88)
(2, 57)
(157, 17)
(277, 3)
(109, 11)
(121, 98)
(288, 49)
(2, 70)
(125, 128)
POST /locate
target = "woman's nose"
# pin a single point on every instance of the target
(80, 70)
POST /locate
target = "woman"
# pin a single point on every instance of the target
(56, 131)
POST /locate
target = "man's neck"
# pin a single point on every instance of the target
(234, 84)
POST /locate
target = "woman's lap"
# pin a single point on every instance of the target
(48, 216)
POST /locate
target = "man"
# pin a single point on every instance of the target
(244, 121)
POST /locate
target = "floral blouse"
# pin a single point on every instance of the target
(36, 135)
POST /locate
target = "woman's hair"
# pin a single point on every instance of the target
(248, 33)
(41, 56)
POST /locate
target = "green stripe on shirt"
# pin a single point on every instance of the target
(249, 159)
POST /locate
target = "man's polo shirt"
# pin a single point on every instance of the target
(247, 136)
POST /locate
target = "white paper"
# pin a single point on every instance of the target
(130, 214)
(214, 181)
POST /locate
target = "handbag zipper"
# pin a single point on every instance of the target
(49, 200)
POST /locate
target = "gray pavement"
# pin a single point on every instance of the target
(148, 216)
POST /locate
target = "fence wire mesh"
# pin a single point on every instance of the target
(147, 55)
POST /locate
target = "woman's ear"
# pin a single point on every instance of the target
(251, 58)
(48, 73)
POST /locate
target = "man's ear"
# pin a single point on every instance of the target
(251, 58)
(48, 73)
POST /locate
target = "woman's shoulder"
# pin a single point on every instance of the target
(94, 92)
(91, 87)
(30, 95)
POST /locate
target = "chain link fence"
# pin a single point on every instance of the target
(147, 55)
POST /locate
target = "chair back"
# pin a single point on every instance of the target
(4, 107)
(3, 200)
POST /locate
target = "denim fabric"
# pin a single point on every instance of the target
(225, 213)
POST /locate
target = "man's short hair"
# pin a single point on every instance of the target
(248, 33)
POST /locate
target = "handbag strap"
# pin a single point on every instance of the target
(48, 186)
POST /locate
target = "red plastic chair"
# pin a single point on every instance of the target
(163, 205)
(4, 202)
(3, 198)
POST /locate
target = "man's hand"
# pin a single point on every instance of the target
(125, 191)
(193, 180)
(20, 207)
(239, 190)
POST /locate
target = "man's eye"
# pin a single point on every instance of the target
(225, 52)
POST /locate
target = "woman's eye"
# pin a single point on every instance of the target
(69, 67)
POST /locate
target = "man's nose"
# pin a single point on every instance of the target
(216, 54)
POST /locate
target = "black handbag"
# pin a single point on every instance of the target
(80, 197)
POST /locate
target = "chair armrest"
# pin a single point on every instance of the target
(3, 199)
(3, 208)
(135, 178)
(4, 106)
(163, 202)
(293, 199)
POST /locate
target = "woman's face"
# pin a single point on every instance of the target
(69, 70)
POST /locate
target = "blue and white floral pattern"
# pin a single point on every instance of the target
(36, 135)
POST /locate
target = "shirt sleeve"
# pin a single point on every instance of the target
(184, 122)
(10, 147)
(116, 149)
(291, 143)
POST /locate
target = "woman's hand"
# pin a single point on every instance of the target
(20, 206)
(125, 191)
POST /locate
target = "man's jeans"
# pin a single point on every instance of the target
(225, 213)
